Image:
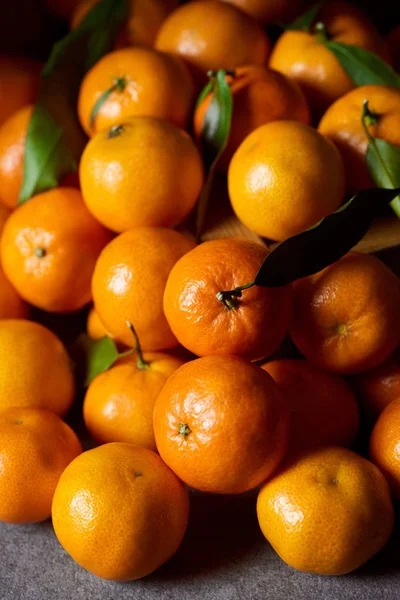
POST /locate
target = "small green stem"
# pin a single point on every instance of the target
(369, 117)
(141, 363)
(184, 430)
(321, 32)
(40, 252)
(230, 298)
(119, 85)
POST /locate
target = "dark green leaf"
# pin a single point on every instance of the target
(311, 251)
(214, 136)
(304, 22)
(98, 355)
(55, 139)
(363, 67)
(383, 162)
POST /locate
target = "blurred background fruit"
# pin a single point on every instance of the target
(35, 447)
(19, 84)
(278, 181)
(385, 443)
(272, 11)
(94, 327)
(119, 511)
(144, 172)
(221, 424)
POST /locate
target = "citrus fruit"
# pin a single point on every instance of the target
(119, 511)
(49, 248)
(12, 150)
(213, 35)
(142, 24)
(252, 325)
(278, 180)
(221, 424)
(94, 327)
(326, 511)
(35, 447)
(143, 172)
(141, 81)
(36, 371)
(345, 316)
(342, 124)
(324, 411)
(260, 95)
(119, 403)
(19, 84)
(303, 55)
(378, 387)
(11, 305)
(271, 11)
(129, 281)
(385, 443)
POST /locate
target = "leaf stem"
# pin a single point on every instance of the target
(141, 363)
(119, 85)
(370, 117)
(321, 32)
(230, 298)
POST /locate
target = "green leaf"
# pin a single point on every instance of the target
(304, 22)
(98, 356)
(55, 140)
(318, 247)
(214, 136)
(363, 67)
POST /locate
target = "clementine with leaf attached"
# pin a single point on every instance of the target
(142, 24)
(278, 180)
(144, 172)
(119, 403)
(345, 317)
(213, 35)
(384, 445)
(36, 371)
(19, 84)
(207, 319)
(12, 153)
(326, 511)
(129, 281)
(260, 95)
(221, 424)
(342, 124)
(119, 511)
(35, 448)
(303, 56)
(49, 248)
(323, 409)
(135, 81)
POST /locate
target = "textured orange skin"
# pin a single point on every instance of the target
(238, 423)
(304, 57)
(203, 324)
(342, 124)
(11, 305)
(394, 47)
(35, 447)
(385, 443)
(36, 370)
(158, 85)
(12, 149)
(119, 403)
(143, 22)
(94, 327)
(260, 95)
(117, 524)
(271, 11)
(213, 35)
(150, 174)
(129, 280)
(278, 180)
(326, 511)
(358, 293)
(19, 84)
(324, 410)
(58, 222)
(377, 388)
